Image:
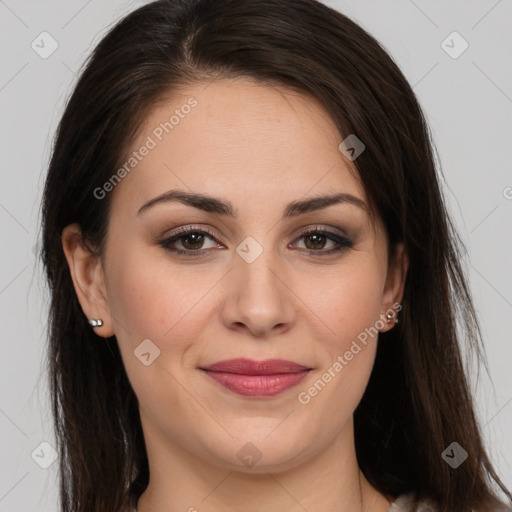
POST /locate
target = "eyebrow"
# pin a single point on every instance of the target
(213, 205)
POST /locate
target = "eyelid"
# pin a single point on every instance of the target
(335, 234)
(325, 228)
(192, 228)
(339, 237)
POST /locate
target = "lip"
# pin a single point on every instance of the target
(265, 378)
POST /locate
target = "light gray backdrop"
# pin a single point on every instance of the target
(467, 96)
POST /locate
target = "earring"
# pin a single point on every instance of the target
(390, 316)
(95, 323)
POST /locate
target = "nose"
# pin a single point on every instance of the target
(259, 298)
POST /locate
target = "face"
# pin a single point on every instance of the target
(263, 273)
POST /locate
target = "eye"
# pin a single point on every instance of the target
(315, 240)
(191, 239)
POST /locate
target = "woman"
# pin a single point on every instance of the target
(255, 282)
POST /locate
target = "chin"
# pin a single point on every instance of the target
(258, 452)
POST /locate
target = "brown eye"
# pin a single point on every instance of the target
(315, 241)
(193, 240)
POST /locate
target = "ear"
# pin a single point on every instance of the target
(394, 287)
(88, 279)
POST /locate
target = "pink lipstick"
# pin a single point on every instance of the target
(257, 378)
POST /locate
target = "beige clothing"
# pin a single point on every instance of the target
(405, 503)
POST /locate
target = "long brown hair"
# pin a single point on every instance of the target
(417, 401)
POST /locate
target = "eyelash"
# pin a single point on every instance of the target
(342, 241)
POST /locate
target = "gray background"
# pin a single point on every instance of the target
(467, 100)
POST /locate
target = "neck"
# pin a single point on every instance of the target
(329, 480)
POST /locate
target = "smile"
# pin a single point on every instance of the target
(257, 378)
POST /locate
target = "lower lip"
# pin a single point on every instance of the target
(257, 385)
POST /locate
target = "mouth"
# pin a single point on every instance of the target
(257, 379)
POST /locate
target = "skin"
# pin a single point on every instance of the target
(259, 147)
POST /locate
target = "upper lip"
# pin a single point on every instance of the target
(244, 366)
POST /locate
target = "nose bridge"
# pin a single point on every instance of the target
(257, 265)
(258, 297)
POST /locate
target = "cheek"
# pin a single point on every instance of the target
(348, 302)
(146, 301)
(350, 308)
(149, 299)
(136, 302)
(146, 304)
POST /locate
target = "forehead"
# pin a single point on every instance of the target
(240, 138)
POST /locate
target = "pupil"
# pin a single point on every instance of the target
(316, 239)
(198, 240)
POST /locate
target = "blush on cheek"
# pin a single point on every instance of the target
(137, 299)
(349, 321)
(352, 292)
